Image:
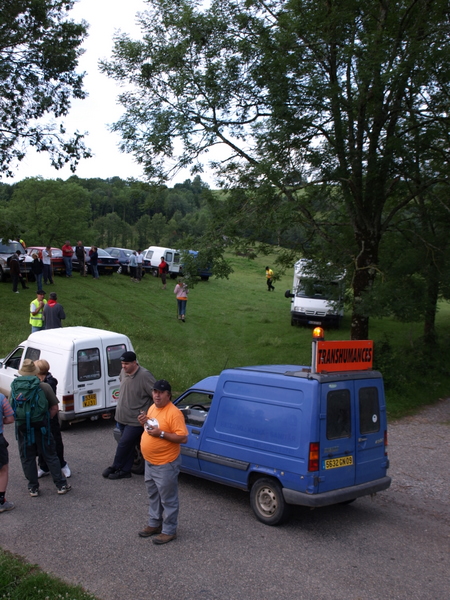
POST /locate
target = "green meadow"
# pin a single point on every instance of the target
(229, 323)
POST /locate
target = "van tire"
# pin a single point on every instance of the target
(138, 467)
(267, 501)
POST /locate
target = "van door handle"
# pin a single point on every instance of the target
(81, 385)
(196, 431)
(111, 380)
(362, 439)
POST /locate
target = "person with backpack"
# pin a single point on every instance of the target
(43, 470)
(34, 403)
(6, 416)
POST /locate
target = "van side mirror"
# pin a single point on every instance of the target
(287, 294)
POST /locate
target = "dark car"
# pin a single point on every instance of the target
(107, 265)
(123, 256)
(57, 261)
(7, 249)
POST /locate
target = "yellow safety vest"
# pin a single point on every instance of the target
(37, 320)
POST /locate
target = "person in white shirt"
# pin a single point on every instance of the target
(47, 260)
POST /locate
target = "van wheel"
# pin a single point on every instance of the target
(267, 501)
(138, 467)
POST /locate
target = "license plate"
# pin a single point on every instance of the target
(335, 463)
(314, 322)
(89, 400)
(108, 268)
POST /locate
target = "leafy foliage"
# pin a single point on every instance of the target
(39, 51)
(348, 97)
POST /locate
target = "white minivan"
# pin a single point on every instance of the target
(86, 363)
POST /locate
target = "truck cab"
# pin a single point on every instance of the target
(315, 301)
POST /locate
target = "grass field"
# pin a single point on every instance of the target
(229, 323)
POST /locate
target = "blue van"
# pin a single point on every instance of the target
(289, 435)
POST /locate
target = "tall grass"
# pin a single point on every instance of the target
(229, 323)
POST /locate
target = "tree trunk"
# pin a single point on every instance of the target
(365, 273)
(429, 331)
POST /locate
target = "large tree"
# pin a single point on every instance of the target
(303, 93)
(39, 51)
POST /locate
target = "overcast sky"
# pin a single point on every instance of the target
(94, 114)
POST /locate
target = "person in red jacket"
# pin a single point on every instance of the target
(163, 269)
(67, 251)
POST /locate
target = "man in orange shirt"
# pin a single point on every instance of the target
(164, 431)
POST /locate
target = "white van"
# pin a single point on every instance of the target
(311, 302)
(84, 360)
(152, 258)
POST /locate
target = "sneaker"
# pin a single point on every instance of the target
(42, 473)
(148, 531)
(163, 538)
(120, 475)
(108, 471)
(7, 506)
(15, 292)
(64, 489)
(34, 491)
(66, 471)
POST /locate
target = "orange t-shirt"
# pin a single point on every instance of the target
(160, 451)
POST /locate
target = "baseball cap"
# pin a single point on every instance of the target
(128, 356)
(162, 386)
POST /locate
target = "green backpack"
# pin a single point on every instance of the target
(30, 407)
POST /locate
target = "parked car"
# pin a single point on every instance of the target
(107, 265)
(7, 249)
(123, 256)
(56, 260)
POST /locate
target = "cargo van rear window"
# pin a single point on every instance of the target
(338, 415)
(113, 354)
(88, 362)
(369, 410)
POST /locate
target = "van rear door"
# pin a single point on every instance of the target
(113, 366)
(352, 433)
(88, 377)
(371, 460)
(337, 436)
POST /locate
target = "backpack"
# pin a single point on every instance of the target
(30, 407)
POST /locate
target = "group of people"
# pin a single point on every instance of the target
(46, 315)
(33, 406)
(145, 415)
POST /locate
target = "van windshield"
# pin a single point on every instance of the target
(314, 288)
(11, 248)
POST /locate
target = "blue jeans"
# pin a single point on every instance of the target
(130, 438)
(68, 264)
(161, 482)
(34, 329)
(48, 274)
(94, 271)
(38, 281)
(181, 307)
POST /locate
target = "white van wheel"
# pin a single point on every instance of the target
(267, 501)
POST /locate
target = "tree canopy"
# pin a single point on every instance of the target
(39, 51)
(347, 97)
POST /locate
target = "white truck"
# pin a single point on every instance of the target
(315, 301)
(86, 363)
(152, 258)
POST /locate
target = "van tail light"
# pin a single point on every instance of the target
(313, 461)
(68, 402)
(385, 442)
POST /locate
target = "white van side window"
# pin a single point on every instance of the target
(88, 363)
(169, 256)
(33, 354)
(113, 354)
